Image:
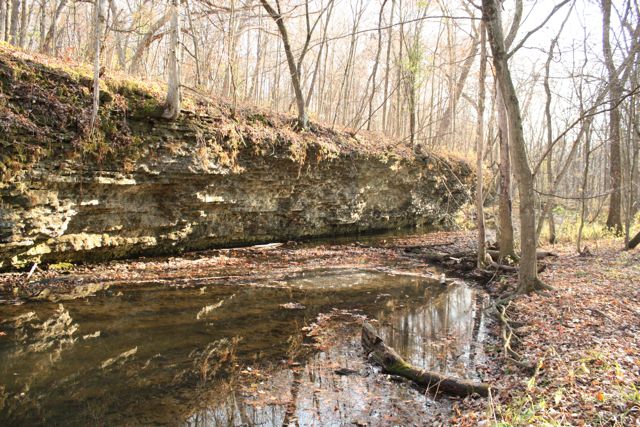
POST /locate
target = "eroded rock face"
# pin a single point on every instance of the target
(178, 199)
(216, 176)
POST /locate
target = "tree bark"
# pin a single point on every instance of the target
(634, 242)
(434, 382)
(527, 274)
(614, 218)
(172, 103)
(480, 149)
(505, 208)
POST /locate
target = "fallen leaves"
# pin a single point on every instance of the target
(587, 330)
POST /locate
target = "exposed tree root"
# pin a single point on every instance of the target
(495, 254)
(509, 336)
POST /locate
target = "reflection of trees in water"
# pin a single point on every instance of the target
(477, 323)
(228, 407)
(163, 381)
(315, 395)
(443, 328)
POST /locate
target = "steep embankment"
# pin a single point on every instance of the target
(143, 185)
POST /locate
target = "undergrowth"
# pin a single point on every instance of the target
(594, 229)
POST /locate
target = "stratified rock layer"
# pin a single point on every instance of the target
(207, 180)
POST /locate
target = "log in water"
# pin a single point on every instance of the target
(434, 382)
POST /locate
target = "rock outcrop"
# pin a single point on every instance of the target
(213, 178)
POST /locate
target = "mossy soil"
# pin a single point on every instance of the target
(45, 108)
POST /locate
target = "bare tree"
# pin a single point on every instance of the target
(174, 96)
(294, 67)
(505, 208)
(480, 150)
(100, 14)
(321, 50)
(15, 22)
(51, 33)
(527, 273)
(614, 218)
(3, 17)
(376, 62)
(147, 39)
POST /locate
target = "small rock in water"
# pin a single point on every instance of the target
(43, 294)
(293, 306)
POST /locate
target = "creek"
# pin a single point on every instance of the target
(156, 353)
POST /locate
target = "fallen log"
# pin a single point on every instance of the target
(434, 382)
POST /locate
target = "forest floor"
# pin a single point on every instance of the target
(582, 337)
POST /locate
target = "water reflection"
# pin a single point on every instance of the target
(440, 333)
(158, 355)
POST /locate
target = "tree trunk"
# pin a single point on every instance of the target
(434, 382)
(99, 22)
(585, 183)
(398, 130)
(146, 41)
(119, 45)
(323, 43)
(172, 103)
(50, 38)
(549, 164)
(375, 66)
(614, 218)
(527, 274)
(343, 92)
(388, 66)
(634, 242)
(505, 208)
(15, 22)
(293, 69)
(450, 110)
(547, 211)
(42, 24)
(3, 17)
(6, 21)
(480, 150)
(24, 21)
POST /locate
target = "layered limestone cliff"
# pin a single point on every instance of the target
(140, 185)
